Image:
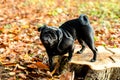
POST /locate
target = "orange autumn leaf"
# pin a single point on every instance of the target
(16, 38)
(32, 66)
(41, 65)
(1, 29)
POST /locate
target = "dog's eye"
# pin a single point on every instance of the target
(46, 36)
(46, 32)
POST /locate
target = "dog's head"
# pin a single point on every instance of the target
(49, 35)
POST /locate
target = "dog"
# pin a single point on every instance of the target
(59, 41)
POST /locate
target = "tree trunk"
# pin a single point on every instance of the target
(107, 66)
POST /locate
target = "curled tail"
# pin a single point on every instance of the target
(84, 19)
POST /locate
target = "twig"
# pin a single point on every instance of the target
(112, 59)
(109, 50)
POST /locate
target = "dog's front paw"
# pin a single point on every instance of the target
(92, 60)
(68, 59)
(51, 68)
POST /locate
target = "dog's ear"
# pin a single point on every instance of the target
(84, 19)
(41, 28)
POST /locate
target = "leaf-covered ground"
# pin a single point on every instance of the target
(22, 55)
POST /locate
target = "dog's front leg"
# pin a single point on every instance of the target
(51, 63)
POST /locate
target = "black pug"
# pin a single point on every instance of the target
(59, 41)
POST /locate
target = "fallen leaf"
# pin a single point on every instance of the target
(32, 66)
(21, 75)
(41, 65)
(25, 26)
(20, 67)
(12, 73)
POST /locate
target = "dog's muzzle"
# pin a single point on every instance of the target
(46, 42)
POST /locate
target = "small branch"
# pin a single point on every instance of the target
(112, 59)
(109, 50)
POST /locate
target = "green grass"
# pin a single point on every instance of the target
(106, 9)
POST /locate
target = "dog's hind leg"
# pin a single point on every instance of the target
(83, 46)
(70, 53)
(90, 42)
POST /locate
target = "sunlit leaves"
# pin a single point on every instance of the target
(7, 26)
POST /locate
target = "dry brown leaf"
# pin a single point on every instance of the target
(32, 66)
(21, 75)
(9, 64)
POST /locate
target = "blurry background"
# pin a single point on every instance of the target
(104, 15)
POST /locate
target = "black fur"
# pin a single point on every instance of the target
(59, 41)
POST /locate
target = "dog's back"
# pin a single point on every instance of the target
(78, 27)
(71, 26)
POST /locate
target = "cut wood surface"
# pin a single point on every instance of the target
(105, 58)
(107, 66)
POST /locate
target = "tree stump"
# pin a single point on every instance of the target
(107, 66)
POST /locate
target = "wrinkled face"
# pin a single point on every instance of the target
(49, 36)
